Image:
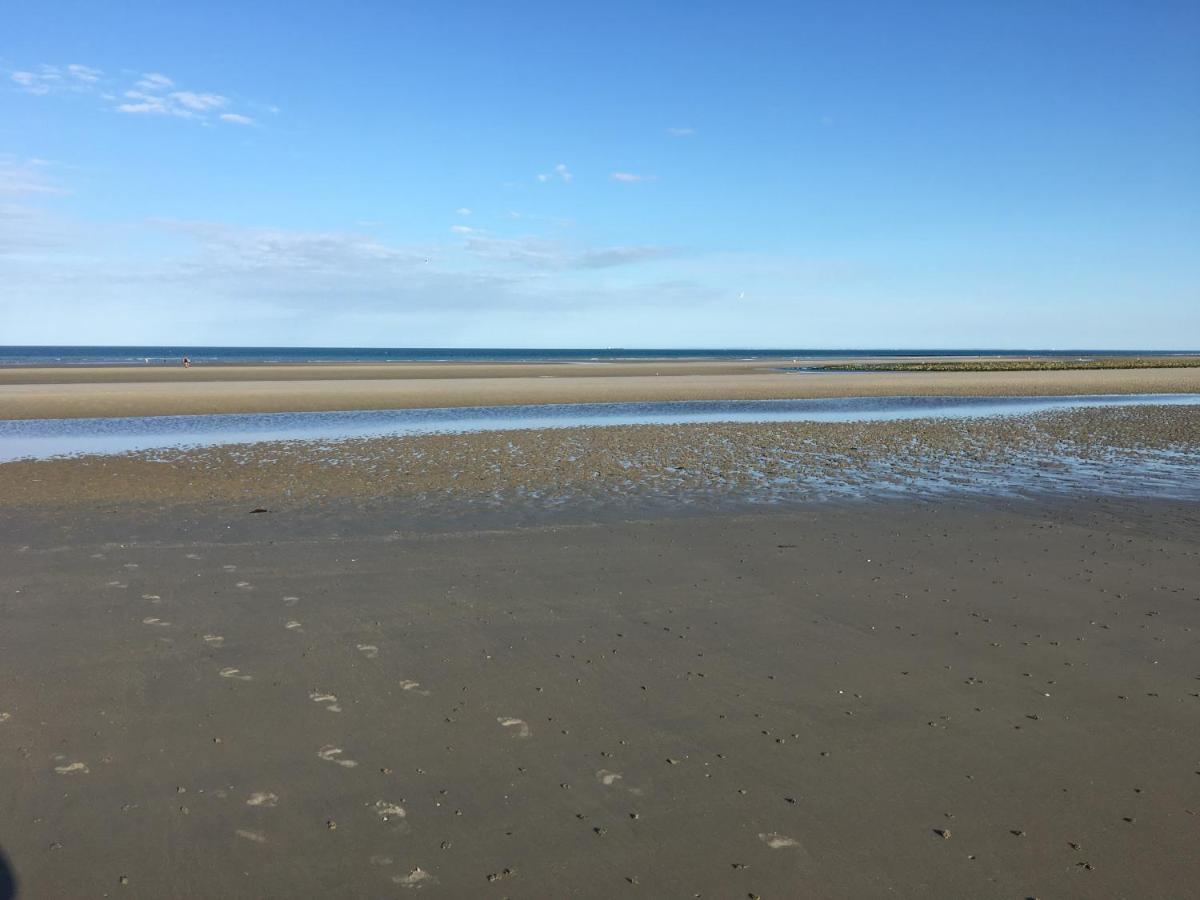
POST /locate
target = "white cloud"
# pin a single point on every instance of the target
(151, 94)
(141, 108)
(155, 81)
(199, 102)
(463, 211)
(84, 73)
(630, 178)
(47, 79)
(681, 132)
(462, 229)
(147, 103)
(183, 104)
(561, 173)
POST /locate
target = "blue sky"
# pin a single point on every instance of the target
(1018, 174)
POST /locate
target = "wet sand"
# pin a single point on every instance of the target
(623, 468)
(97, 392)
(607, 662)
(843, 700)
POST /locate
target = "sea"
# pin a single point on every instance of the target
(172, 356)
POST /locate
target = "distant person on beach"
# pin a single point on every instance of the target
(187, 363)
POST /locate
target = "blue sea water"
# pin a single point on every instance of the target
(163, 355)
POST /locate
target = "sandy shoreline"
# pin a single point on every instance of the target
(579, 662)
(63, 393)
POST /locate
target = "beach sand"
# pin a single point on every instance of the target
(610, 662)
(943, 700)
(72, 393)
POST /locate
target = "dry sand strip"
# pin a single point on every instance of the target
(205, 393)
(922, 701)
(402, 371)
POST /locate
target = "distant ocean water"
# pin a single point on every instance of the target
(135, 355)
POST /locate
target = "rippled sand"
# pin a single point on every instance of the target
(1149, 449)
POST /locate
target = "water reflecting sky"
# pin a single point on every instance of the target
(43, 438)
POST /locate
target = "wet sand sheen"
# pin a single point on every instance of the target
(51, 438)
(1140, 449)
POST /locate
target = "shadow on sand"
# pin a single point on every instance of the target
(8, 881)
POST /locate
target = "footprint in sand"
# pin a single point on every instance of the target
(244, 585)
(609, 779)
(235, 674)
(418, 877)
(778, 841)
(388, 811)
(116, 584)
(257, 836)
(330, 700)
(153, 598)
(329, 753)
(292, 625)
(154, 621)
(519, 724)
(229, 568)
(413, 686)
(193, 556)
(370, 651)
(75, 768)
(263, 798)
(130, 566)
(214, 640)
(290, 601)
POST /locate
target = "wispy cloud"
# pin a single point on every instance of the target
(462, 229)
(543, 254)
(607, 257)
(279, 250)
(155, 81)
(560, 173)
(46, 79)
(86, 74)
(150, 94)
(681, 132)
(630, 178)
(203, 281)
(199, 102)
(463, 211)
(25, 177)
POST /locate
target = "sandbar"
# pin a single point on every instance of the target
(74, 393)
